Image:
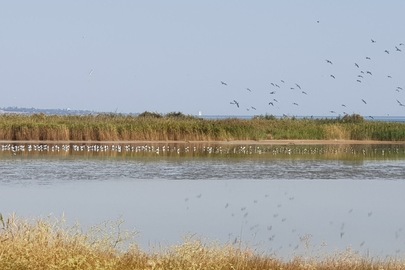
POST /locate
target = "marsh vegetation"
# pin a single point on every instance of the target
(51, 244)
(179, 127)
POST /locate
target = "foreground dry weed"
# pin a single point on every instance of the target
(50, 244)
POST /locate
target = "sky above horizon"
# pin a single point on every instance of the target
(201, 56)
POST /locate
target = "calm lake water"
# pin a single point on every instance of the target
(282, 200)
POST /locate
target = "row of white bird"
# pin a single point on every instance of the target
(199, 149)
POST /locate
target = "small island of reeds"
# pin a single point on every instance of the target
(176, 126)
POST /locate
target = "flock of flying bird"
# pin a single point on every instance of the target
(362, 75)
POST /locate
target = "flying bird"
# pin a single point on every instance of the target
(360, 76)
(271, 103)
(329, 62)
(400, 104)
(343, 105)
(298, 86)
(249, 89)
(332, 76)
(357, 65)
(387, 51)
(305, 93)
(389, 76)
(235, 103)
(373, 41)
(368, 58)
(224, 83)
(296, 104)
(253, 108)
(398, 49)
(272, 92)
(364, 101)
(359, 81)
(368, 72)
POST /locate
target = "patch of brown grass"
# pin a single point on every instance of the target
(50, 244)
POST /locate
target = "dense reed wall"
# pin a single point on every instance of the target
(113, 127)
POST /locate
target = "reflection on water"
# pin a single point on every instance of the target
(239, 193)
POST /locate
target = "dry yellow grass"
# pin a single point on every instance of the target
(50, 244)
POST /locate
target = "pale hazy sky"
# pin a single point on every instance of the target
(164, 56)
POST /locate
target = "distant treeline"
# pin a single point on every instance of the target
(177, 126)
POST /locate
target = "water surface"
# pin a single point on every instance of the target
(282, 200)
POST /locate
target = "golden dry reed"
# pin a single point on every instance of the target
(51, 244)
(179, 127)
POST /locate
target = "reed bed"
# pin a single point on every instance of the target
(179, 127)
(51, 244)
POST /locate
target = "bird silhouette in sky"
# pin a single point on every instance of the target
(387, 51)
(400, 104)
(364, 101)
(235, 103)
(333, 76)
(329, 62)
(249, 89)
(368, 72)
(357, 65)
(373, 41)
(224, 83)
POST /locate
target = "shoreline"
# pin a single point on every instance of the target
(230, 142)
